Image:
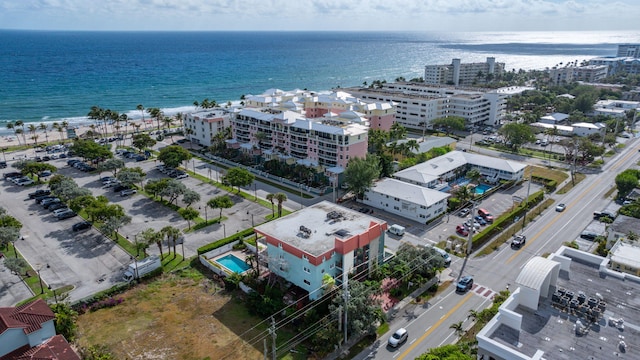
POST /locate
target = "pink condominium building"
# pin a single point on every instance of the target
(319, 129)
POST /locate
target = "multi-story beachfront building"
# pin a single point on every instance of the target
(327, 142)
(201, 127)
(324, 238)
(458, 73)
(629, 50)
(617, 65)
(418, 104)
(320, 105)
(569, 74)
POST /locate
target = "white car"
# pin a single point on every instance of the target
(24, 182)
(398, 337)
(127, 192)
(182, 176)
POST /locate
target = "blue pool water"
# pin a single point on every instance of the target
(482, 188)
(233, 263)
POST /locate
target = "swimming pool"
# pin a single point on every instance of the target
(233, 263)
(482, 188)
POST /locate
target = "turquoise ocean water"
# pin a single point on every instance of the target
(54, 76)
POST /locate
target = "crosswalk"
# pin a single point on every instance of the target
(483, 291)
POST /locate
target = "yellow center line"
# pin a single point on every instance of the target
(435, 326)
(557, 217)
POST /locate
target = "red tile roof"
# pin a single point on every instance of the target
(56, 348)
(29, 317)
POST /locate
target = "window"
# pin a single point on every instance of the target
(280, 245)
(306, 269)
(304, 256)
(307, 282)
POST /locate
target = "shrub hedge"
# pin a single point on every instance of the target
(229, 239)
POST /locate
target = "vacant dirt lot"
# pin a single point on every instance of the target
(173, 318)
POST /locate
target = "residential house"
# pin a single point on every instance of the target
(28, 332)
(410, 201)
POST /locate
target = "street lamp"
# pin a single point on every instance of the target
(206, 217)
(255, 190)
(224, 231)
(135, 276)
(40, 279)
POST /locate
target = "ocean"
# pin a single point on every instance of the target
(48, 76)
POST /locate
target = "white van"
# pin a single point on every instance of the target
(445, 256)
(396, 229)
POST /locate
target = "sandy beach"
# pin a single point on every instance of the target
(55, 137)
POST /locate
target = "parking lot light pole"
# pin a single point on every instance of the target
(40, 280)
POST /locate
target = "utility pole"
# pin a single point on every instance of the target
(526, 206)
(272, 330)
(265, 347)
(471, 228)
(346, 311)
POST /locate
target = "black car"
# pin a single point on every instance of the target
(83, 225)
(40, 199)
(55, 206)
(11, 175)
(466, 283)
(3, 164)
(518, 241)
(119, 188)
(41, 192)
(588, 235)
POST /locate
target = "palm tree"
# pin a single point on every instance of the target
(11, 126)
(280, 198)
(254, 263)
(157, 114)
(21, 124)
(141, 108)
(32, 130)
(412, 145)
(271, 198)
(457, 327)
(473, 314)
(65, 126)
(44, 127)
(167, 122)
(172, 234)
(180, 118)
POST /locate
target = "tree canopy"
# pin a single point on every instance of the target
(517, 134)
(361, 173)
(142, 141)
(449, 123)
(172, 156)
(239, 177)
(627, 181)
(90, 150)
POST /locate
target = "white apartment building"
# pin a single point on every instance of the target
(569, 74)
(458, 73)
(204, 125)
(618, 65)
(629, 50)
(410, 201)
(418, 104)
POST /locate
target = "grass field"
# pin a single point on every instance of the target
(175, 317)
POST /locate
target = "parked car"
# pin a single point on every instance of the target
(461, 230)
(46, 202)
(182, 176)
(480, 220)
(45, 173)
(398, 337)
(39, 192)
(119, 188)
(486, 215)
(465, 284)
(49, 205)
(56, 206)
(588, 235)
(464, 212)
(83, 225)
(560, 207)
(41, 198)
(66, 214)
(127, 192)
(60, 211)
(518, 241)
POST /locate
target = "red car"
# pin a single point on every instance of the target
(460, 230)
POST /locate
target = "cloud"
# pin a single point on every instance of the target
(453, 15)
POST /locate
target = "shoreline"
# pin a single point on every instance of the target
(8, 141)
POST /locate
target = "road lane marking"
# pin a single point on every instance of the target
(553, 221)
(436, 325)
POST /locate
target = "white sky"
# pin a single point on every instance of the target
(384, 15)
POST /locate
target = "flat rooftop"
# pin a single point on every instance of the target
(553, 330)
(315, 228)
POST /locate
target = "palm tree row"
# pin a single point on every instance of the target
(18, 128)
(104, 117)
